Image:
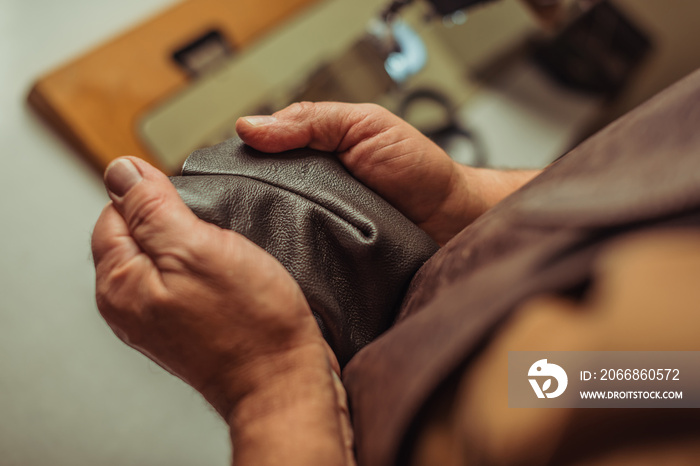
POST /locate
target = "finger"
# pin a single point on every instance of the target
(155, 215)
(328, 126)
(112, 243)
(121, 268)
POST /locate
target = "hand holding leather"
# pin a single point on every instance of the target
(392, 158)
(352, 254)
(205, 303)
(382, 151)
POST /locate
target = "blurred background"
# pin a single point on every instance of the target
(500, 85)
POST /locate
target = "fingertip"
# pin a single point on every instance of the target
(153, 212)
(148, 171)
(124, 173)
(121, 175)
(257, 121)
(244, 129)
(271, 137)
(249, 126)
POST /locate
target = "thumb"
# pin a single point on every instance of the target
(327, 126)
(155, 215)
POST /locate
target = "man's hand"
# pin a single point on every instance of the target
(390, 157)
(220, 313)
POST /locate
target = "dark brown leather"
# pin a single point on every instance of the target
(640, 173)
(351, 252)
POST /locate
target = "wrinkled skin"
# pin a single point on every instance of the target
(223, 315)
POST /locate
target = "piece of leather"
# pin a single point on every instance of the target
(351, 252)
(639, 174)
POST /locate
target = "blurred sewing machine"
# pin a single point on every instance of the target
(179, 81)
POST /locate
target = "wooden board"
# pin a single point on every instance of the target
(95, 100)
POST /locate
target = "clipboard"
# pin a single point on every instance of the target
(96, 101)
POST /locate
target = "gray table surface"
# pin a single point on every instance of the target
(70, 392)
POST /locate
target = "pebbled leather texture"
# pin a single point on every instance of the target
(351, 252)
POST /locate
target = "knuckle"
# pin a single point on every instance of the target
(300, 110)
(145, 211)
(375, 112)
(125, 310)
(372, 118)
(372, 109)
(200, 250)
(109, 296)
(104, 301)
(111, 308)
(159, 299)
(120, 294)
